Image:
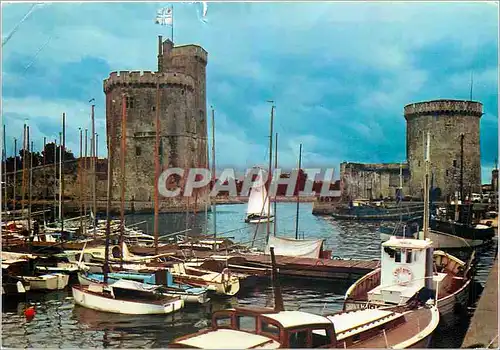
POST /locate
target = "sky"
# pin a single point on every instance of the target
(340, 73)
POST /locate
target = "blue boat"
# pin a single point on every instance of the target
(162, 277)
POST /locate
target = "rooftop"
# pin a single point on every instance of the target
(395, 242)
(289, 319)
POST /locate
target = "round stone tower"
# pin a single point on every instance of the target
(446, 121)
(183, 130)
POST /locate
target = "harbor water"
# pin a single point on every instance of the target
(60, 324)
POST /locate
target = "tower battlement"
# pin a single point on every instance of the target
(187, 50)
(148, 78)
(444, 107)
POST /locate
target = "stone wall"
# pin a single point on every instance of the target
(371, 181)
(445, 120)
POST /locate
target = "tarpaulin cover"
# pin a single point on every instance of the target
(305, 248)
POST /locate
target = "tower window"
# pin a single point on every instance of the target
(454, 162)
(137, 151)
(129, 102)
(153, 108)
(446, 172)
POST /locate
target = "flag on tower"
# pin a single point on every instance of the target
(164, 16)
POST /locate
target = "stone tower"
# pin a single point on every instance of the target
(183, 127)
(446, 121)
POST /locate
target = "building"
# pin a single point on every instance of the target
(373, 181)
(450, 124)
(178, 90)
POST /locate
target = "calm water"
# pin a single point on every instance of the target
(58, 323)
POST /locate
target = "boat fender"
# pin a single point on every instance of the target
(226, 275)
(30, 313)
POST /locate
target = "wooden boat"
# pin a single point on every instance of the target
(124, 299)
(221, 283)
(186, 293)
(403, 274)
(491, 219)
(252, 328)
(50, 281)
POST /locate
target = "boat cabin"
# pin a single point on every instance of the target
(253, 328)
(404, 267)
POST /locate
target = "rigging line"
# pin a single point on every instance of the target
(16, 27)
(36, 54)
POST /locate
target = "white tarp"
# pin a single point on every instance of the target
(133, 285)
(304, 248)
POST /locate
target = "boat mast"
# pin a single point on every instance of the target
(55, 180)
(30, 183)
(108, 208)
(270, 168)
(23, 186)
(426, 189)
(214, 204)
(122, 156)
(278, 297)
(15, 171)
(44, 155)
(157, 165)
(80, 180)
(298, 199)
(462, 168)
(85, 172)
(275, 167)
(63, 150)
(4, 159)
(94, 199)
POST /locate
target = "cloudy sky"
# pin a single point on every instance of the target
(339, 73)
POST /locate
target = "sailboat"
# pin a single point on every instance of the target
(259, 210)
(253, 327)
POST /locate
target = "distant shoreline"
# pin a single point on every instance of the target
(281, 199)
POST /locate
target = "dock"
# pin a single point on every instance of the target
(311, 268)
(483, 328)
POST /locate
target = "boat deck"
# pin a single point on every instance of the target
(416, 321)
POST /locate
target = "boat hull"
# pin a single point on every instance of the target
(259, 220)
(103, 303)
(54, 281)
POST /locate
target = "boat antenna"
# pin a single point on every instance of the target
(270, 168)
(298, 198)
(275, 193)
(278, 298)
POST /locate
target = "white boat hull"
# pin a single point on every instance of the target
(260, 220)
(54, 281)
(108, 304)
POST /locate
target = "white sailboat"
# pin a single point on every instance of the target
(259, 210)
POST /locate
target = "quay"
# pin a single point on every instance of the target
(483, 329)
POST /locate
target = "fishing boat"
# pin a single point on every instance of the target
(259, 210)
(125, 297)
(410, 267)
(252, 328)
(189, 294)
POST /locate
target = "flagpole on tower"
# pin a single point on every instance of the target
(172, 28)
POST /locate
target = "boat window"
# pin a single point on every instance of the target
(270, 329)
(408, 256)
(223, 321)
(398, 256)
(298, 340)
(246, 323)
(320, 337)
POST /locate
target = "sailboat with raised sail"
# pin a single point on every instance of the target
(258, 205)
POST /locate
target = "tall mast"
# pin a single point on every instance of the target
(85, 171)
(4, 159)
(80, 180)
(426, 189)
(122, 156)
(214, 207)
(462, 168)
(94, 201)
(157, 165)
(208, 193)
(108, 208)
(23, 186)
(62, 168)
(298, 199)
(60, 176)
(44, 155)
(30, 185)
(55, 180)
(275, 167)
(14, 192)
(270, 167)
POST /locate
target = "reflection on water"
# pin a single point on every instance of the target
(60, 324)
